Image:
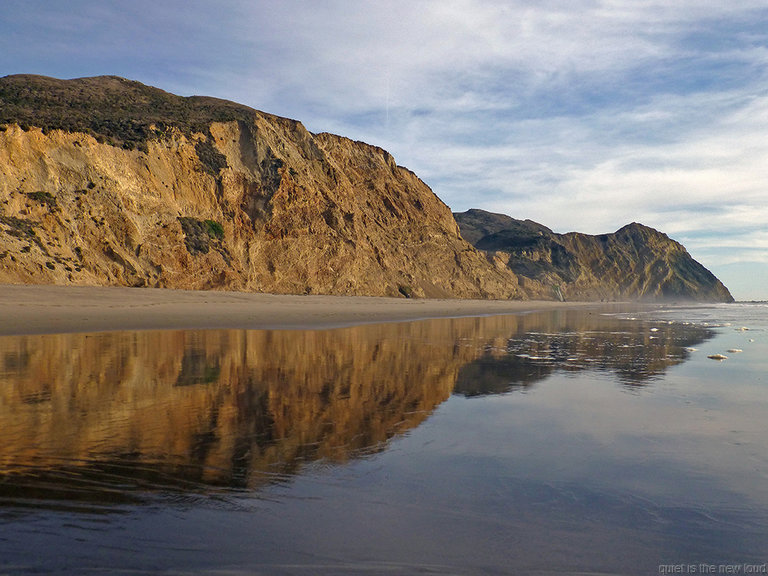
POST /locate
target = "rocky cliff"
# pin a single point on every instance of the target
(105, 181)
(636, 262)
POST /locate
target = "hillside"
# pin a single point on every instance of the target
(104, 181)
(635, 262)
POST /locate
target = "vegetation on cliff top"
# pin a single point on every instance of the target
(112, 109)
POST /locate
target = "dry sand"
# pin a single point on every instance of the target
(32, 309)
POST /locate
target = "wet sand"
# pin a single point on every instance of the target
(32, 309)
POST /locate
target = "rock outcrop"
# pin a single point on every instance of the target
(104, 181)
(635, 262)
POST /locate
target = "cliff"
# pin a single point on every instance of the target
(104, 181)
(635, 262)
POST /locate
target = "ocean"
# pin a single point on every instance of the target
(608, 440)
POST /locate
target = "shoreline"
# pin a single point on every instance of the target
(47, 309)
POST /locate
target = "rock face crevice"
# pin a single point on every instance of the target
(105, 181)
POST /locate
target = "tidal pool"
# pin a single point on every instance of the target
(587, 441)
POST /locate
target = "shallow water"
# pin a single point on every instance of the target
(602, 441)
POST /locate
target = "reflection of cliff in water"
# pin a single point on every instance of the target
(635, 352)
(108, 417)
(182, 410)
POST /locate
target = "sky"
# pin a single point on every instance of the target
(583, 115)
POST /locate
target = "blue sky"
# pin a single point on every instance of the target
(581, 115)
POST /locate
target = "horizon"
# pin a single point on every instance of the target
(581, 116)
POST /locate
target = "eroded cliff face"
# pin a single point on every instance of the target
(105, 181)
(635, 262)
(249, 201)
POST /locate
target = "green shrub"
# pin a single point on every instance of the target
(43, 197)
(215, 230)
(405, 290)
(199, 233)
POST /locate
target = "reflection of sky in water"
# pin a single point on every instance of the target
(572, 441)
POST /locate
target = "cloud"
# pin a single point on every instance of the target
(582, 114)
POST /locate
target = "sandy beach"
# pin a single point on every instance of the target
(34, 309)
